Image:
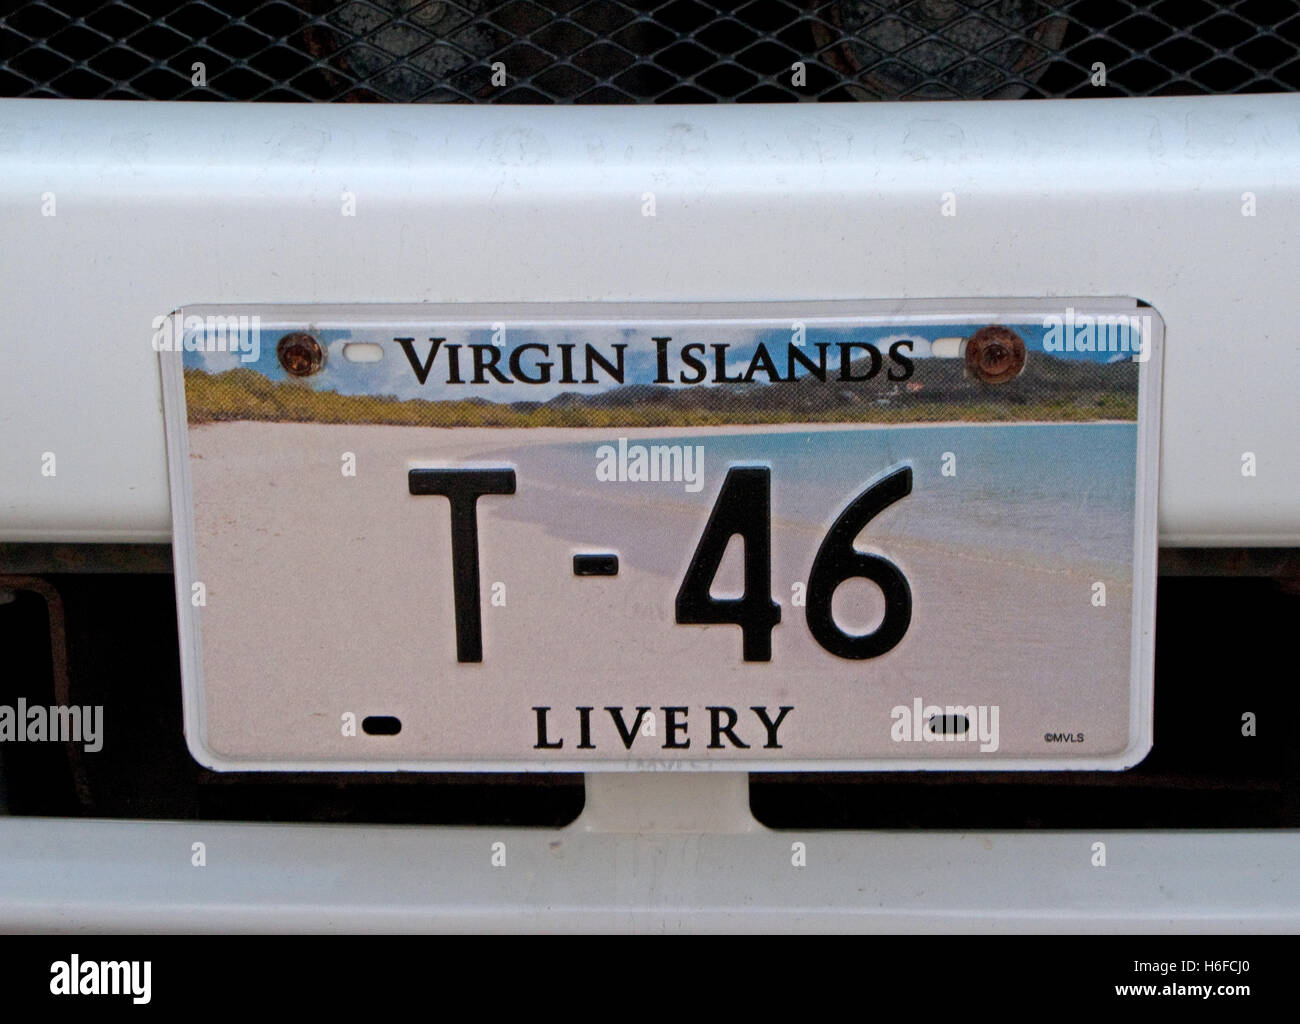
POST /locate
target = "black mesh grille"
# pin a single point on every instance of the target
(681, 51)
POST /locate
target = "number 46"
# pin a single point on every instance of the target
(744, 506)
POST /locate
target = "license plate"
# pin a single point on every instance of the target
(871, 535)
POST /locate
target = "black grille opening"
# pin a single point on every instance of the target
(681, 51)
(1222, 650)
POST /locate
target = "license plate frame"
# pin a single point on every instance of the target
(891, 316)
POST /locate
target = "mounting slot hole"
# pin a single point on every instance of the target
(381, 725)
(949, 725)
(363, 352)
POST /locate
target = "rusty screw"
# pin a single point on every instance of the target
(995, 354)
(300, 354)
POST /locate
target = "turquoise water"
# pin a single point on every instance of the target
(1059, 494)
(1063, 489)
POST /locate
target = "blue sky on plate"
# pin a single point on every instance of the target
(393, 374)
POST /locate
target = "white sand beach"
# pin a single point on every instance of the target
(329, 594)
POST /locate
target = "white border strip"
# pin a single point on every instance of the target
(494, 203)
(127, 876)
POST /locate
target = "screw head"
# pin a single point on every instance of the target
(300, 355)
(995, 354)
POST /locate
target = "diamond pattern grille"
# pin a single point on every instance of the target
(679, 51)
